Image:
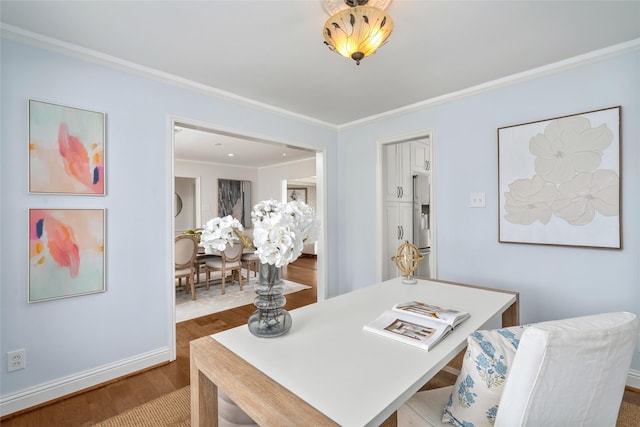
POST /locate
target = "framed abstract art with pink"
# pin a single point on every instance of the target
(66, 253)
(66, 150)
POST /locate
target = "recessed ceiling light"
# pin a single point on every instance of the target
(284, 154)
(230, 154)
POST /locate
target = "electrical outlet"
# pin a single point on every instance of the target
(476, 200)
(16, 360)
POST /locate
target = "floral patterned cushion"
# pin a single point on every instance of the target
(476, 393)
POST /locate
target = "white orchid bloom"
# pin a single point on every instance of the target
(219, 232)
(280, 230)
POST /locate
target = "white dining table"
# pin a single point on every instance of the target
(326, 370)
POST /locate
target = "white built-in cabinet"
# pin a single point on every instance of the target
(421, 156)
(401, 161)
(398, 227)
(398, 179)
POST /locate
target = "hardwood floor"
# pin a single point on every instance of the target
(100, 403)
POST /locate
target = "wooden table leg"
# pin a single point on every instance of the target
(213, 367)
(511, 316)
(204, 395)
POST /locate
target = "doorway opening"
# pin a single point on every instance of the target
(201, 154)
(407, 202)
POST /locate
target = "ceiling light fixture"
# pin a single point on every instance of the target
(358, 30)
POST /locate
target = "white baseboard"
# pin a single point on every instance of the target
(52, 390)
(633, 379)
(36, 395)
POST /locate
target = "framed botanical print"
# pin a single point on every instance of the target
(559, 181)
(66, 253)
(66, 150)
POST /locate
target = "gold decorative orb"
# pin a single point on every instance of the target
(407, 258)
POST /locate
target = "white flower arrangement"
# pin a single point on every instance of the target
(220, 232)
(281, 229)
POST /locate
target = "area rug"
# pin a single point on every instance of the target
(211, 301)
(174, 410)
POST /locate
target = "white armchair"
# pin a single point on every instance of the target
(568, 372)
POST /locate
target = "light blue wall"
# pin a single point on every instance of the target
(553, 282)
(65, 338)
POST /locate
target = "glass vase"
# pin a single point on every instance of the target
(270, 319)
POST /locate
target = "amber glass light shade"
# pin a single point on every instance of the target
(358, 31)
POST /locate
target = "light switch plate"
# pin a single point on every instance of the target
(476, 200)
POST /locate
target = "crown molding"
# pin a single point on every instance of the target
(36, 40)
(553, 68)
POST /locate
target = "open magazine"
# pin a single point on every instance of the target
(416, 323)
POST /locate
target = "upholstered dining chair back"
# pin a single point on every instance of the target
(186, 249)
(570, 372)
(232, 254)
(230, 260)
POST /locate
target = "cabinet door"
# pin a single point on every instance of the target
(392, 236)
(405, 220)
(390, 173)
(397, 174)
(399, 228)
(420, 157)
(405, 175)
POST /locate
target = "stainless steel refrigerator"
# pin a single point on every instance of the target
(421, 223)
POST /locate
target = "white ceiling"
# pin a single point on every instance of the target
(272, 52)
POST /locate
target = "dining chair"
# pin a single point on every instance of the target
(201, 259)
(230, 260)
(569, 372)
(250, 261)
(185, 250)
